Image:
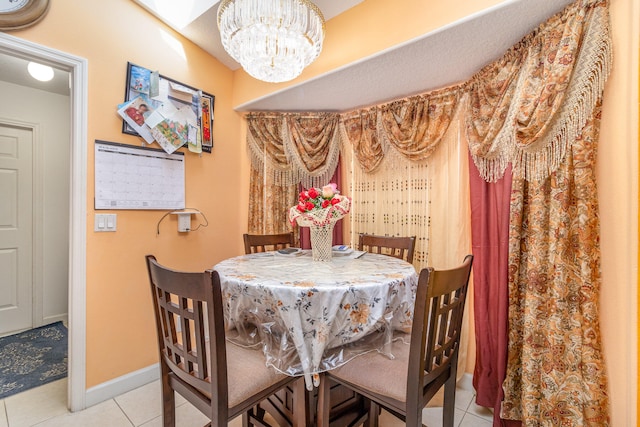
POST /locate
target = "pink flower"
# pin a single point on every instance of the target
(329, 190)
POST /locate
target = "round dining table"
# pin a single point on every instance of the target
(311, 316)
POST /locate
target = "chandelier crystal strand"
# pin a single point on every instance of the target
(273, 40)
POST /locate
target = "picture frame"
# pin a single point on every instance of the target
(206, 126)
(159, 89)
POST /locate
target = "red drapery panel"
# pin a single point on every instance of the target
(490, 242)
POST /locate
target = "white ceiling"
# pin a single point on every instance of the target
(450, 55)
(438, 59)
(14, 70)
(203, 31)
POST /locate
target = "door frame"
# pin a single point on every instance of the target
(78, 70)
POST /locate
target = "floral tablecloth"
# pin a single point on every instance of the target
(311, 316)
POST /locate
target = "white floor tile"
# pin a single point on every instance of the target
(186, 416)
(142, 404)
(38, 404)
(480, 411)
(470, 420)
(432, 417)
(3, 415)
(105, 414)
(466, 382)
(464, 398)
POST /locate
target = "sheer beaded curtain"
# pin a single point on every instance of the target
(428, 199)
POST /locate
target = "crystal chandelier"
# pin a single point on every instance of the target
(273, 40)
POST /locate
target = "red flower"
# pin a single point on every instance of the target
(301, 207)
(335, 201)
(303, 197)
(325, 203)
(313, 193)
(309, 206)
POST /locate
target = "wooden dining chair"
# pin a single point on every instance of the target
(405, 384)
(267, 242)
(399, 247)
(222, 381)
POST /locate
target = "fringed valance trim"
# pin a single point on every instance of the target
(280, 146)
(592, 69)
(304, 147)
(368, 148)
(538, 160)
(533, 138)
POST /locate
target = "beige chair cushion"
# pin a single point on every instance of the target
(247, 373)
(376, 372)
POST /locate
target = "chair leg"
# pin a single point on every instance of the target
(373, 414)
(448, 410)
(254, 416)
(168, 399)
(324, 403)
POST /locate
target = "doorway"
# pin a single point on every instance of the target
(16, 226)
(77, 69)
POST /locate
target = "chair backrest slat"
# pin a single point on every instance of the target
(267, 242)
(183, 303)
(398, 247)
(437, 323)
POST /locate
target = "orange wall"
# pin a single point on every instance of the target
(120, 331)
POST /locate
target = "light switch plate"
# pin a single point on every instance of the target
(105, 222)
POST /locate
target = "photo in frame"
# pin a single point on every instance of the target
(177, 110)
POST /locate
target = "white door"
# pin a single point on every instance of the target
(16, 228)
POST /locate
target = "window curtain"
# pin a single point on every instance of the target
(541, 117)
(287, 150)
(271, 190)
(555, 370)
(490, 231)
(533, 112)
(405, 197)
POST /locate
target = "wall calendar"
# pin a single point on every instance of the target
(130, 177)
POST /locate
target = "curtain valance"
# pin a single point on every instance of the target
(294, 147)
(525, 108)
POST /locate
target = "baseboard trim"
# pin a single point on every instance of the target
(117, 386)
(64, 318)
(466, 382)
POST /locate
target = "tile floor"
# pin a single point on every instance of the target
(45, 406)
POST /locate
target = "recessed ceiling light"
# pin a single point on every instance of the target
(44, 73)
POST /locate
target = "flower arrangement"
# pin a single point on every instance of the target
(319, 209)
(320, 205)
